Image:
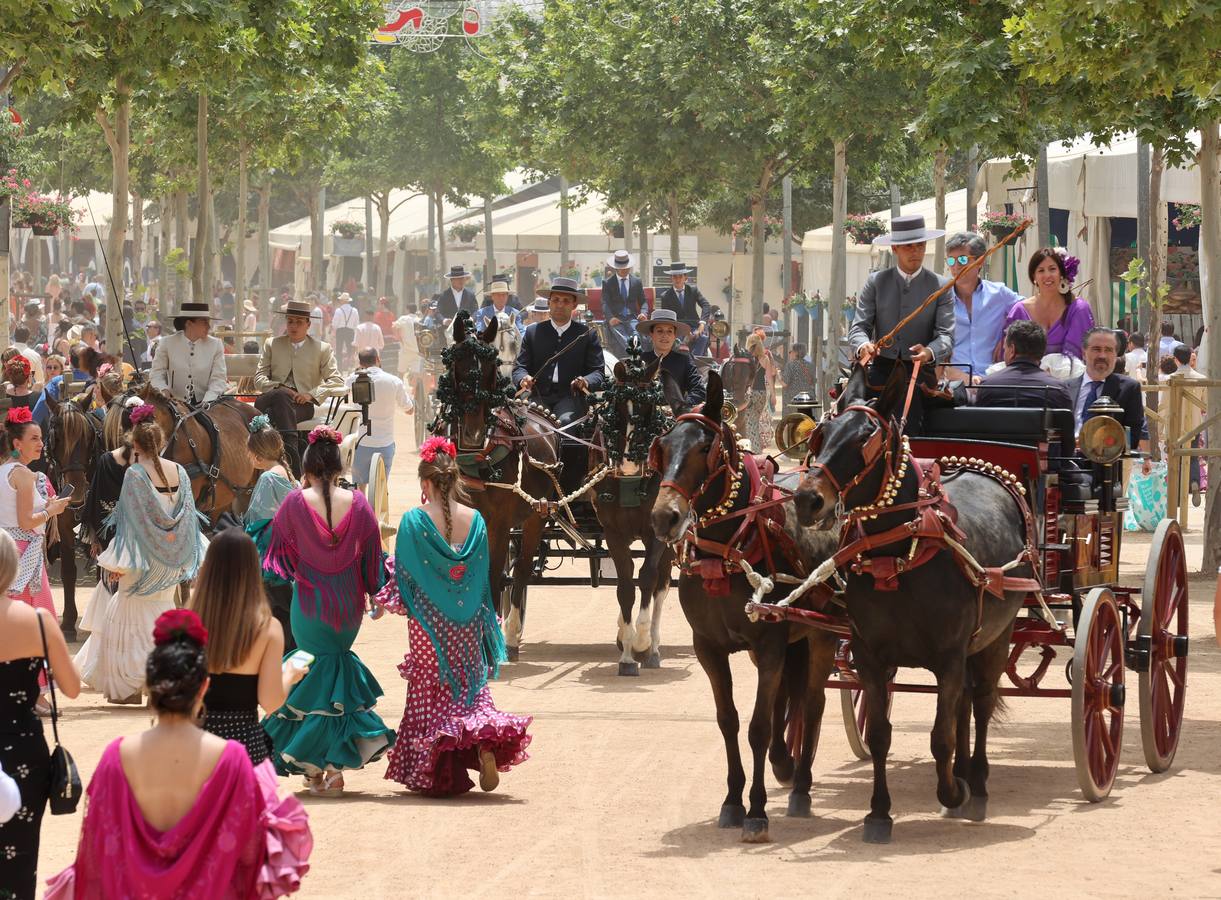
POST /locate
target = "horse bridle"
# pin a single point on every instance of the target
(74, 463)
(876, 449)
(719, 461)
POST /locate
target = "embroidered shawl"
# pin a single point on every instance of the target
(29, 564)
(166, 548)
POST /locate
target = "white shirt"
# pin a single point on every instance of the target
(345, 317)
(369, 335)
(1086, 381)
(250, 323)
(1165, 347)
(1134, 359)
(457, 297)
(405, 326)
(388, 394)
(555, 370)
(907, 279)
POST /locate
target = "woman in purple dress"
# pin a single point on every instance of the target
(1064, 319)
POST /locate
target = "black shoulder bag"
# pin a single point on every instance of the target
(65, 779)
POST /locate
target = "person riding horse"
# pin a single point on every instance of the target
(510, 328)
(664, 329)
(295, 373)
(190, 363)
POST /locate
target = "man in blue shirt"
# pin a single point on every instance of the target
(979, 308)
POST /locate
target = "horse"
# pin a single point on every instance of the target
(503, 459)
(74, 442)
(221, 481)
(703, 469)
(623, 501)
(930, 614)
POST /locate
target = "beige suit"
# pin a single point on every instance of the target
(310, 369)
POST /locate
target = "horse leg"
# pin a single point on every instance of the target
(67, 572)
(770, 666)
(625, 592)
(515, 624)
(715, 663)
(951, 790)
(986, 668)
(661, 589)
(874, 681)
(822, 646)
(498, 554)
(787, 710)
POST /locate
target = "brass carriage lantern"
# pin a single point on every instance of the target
(362, 394)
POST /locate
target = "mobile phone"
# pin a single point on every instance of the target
(300, 659)
(65, 493)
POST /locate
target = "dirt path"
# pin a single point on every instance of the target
(628, 774)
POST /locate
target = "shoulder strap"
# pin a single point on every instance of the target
(46, 664)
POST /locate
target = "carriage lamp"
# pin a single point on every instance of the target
(1102, 439)
(804, 402)
(362, 395)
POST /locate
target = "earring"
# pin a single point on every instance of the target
(423, 498)
(1064, 285)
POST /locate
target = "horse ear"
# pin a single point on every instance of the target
(52, 403)
(715, 398)
(620, 372)
(654, 367)
(460, 322)
(489, 331)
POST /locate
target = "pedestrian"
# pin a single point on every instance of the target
(369, 334)
(377, 436)
(450, 724)
(156, 546)
(246, 644)
(980, 307)
(327, 542)
(18, 377)
(176, 812)
(384, 317)
(343, 325)
(266, 450)
(755, 415)
(797, 376)
(23, 748)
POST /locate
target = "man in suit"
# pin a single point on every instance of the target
(190, 364)
(513, 302)
(623, 300)
(692, 309)
(459, 296)
(891, 294)
(556, 380)
(665, 330)
(295, 373)
(1101, 348)
(1023, 383)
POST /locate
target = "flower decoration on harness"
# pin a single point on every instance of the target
(458, 396)
(435, 444)
(19, 415)
(323, 433)
(177, 625)
(258, 423)
(105, 369)
(142, 413)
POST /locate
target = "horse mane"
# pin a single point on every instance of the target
(75, 428)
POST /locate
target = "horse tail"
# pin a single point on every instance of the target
(796, 681)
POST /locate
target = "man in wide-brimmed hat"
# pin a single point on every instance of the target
(664, 329)
(689, 305)
(557, 380)
(510, 328)
(893, 293)
(295, 373)
(623, 300)
(505, 278)
(457, 296)
(190, 363)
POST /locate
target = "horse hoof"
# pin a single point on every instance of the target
(732, 815)
(958, 812)
(653, 660)
(754, 831)
(619, 645)
(799, 806)
(877, 830)
(629, 668)
(69, 635)
(975, 809)
(784, 770)
(511, 653)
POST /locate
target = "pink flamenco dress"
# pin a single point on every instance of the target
(240, 841)
(455, 640)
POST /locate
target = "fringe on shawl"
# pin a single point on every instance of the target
(165, 556)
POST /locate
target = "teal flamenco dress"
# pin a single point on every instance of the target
(328, 719)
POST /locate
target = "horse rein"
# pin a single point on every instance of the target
(728, 466)
(73, 464)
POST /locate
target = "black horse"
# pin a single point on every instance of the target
(700, 462)
(936, 619)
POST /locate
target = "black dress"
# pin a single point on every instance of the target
(232, 705)
(26, 759)
(103, 494)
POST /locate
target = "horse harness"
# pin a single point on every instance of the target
(211, 471)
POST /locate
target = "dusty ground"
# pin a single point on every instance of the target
(627, 776)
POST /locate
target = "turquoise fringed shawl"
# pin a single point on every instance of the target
(165, 548)
(269, 492)
(437, 583)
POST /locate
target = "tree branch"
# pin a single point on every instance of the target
(14, 70)
(107, 129)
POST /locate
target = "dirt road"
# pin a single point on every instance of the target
(627, 776)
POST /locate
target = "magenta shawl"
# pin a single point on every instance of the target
(240, 841)
(333, 571)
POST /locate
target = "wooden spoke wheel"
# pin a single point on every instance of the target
(1162, 635)
(1098, 693)
(855, 709)
(379, 500)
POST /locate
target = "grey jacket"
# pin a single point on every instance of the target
(886, 298)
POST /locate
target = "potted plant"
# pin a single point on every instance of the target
(464, 232)
(1188, 217)
(1001, 224)
(613, 226)
(347, 238)
(42, 213)
(348, 229)
(863, 228)
(743, 229)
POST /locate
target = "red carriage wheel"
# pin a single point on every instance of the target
(1098, 693)
(856, 718)
(1162, 634)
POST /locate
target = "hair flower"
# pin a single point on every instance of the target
(105, 369)
(258, 423)
(323, 433)
(142, 412)
(179, 624)
(19, 415)
(428, 450)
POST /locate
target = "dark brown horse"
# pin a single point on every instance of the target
(699, 461)
(936, 619)
(624, 501)
(502, 461)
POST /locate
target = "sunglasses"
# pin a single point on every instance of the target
(960, 260)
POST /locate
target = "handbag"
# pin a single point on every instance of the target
(65, 779)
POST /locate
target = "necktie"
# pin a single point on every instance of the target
(1090, 396)
(623, 292)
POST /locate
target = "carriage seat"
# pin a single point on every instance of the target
(241, 365)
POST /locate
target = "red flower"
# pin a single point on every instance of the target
(457, 572)
(177, 624)
(19, 415)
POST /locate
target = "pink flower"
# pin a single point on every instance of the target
(26, 182)
(428, 451)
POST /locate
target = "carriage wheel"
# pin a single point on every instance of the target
(423, 411)
(1098, 694)
(855, 710)
(1163, 629)
(379, 499)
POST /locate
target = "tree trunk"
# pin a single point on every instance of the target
(314, 281)
(239, 252)
(489, 244)
(167, 217)
(628, 213)
(1209, 162)
(645, 268)
(34, 257)
(836, 298)
(216, 247)
(383, 248)
(199, 259)
(675, 252)
(940, 161)
(137, 240)
(118, 139)
(181, 242)
(1156, 270)
(441, 236)
(564, 245)
(758, 242)
(368, 268)
(266, 282)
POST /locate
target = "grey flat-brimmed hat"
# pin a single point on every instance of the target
(663, 317)
(621, 259)
(677, 268)
(562, 286)
(907, 230)
(540, 305)
(458, 272)
(190, 310)
(295, 308)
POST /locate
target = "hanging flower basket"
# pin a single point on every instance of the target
(773, 227)
(1000, 225)
(44, 214)
(863, 228)
(465, 232)
(44, 230)
(613, 226)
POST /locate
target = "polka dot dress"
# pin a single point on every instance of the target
(26, 759)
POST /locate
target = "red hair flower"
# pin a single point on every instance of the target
(142, 412)
(179, 624)
(19, 364)
(322, 433)
(456, 573)
(428, 450)
(19, 415)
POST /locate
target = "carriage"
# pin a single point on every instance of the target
(1108, 628)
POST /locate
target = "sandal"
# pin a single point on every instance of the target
(489, 777)
(328, 784)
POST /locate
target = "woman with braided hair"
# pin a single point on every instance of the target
(450, 724)
(326, 541)
(156, 546)
(269, 458)
(18, 376)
